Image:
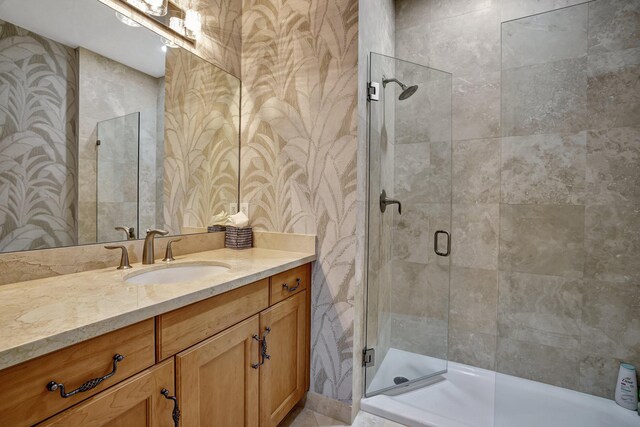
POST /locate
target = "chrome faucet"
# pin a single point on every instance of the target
(148, 250)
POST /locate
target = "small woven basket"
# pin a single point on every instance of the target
(216, 228)
(238, 238)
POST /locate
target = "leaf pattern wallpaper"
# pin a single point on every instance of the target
(201, 122)
(37, 141)
(299, 143)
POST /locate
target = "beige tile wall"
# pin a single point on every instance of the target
(546, 159)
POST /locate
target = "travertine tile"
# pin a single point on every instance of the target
(411, 43)
(598, 375)
(466, 45)
(611, 320)
(613, 166)
(613, 89)
(613, 25)
(417, 334)
(612, 243)
(476, 171)
(547, 37)
(423, 173)
(474, 300)
(540, 309)
(444, 9)
(542, 239)
(420, 290)
(426, 115)
(544, 169)
(476, 106)
(545, 98)
(472, 348)
(517, 9)
(409, 13)
(475, 236)
(413, 232)
(537, 362)
(327, 407)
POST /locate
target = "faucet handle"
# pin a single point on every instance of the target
(168, 255)
(124, 259)
(152, 232)
(129, 231)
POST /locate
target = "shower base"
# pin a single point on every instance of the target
(474, 397)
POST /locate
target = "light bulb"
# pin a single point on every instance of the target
(157, 7)
(192, 23)
(177, 24)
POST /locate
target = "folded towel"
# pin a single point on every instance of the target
(238, 220)
(219, 219)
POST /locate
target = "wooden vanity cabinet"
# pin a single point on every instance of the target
(137, 401)
(282, 376)
(24, 397)
(217, 380)
(238, 359)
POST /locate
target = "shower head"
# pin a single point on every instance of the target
(407, 91)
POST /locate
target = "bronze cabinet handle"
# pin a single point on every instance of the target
(263, 346)
(293, 289)
(89, 385)
(175, 415)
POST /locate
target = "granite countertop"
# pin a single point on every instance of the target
(44, 315)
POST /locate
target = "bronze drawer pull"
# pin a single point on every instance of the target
(89, 385)
(295, 288)
(176, 409)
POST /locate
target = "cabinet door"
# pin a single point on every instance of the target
(282, 377)
(217, 380)
(135, 402)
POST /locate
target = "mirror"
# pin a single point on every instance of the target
(107, 129)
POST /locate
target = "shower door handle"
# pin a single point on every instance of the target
(384, 201)
(435, 243)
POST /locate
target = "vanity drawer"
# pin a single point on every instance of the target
(289, 283)
(24, 397)
(186, 326)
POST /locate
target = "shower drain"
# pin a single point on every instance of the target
(400, 380)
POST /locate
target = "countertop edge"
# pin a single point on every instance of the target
(37, 348)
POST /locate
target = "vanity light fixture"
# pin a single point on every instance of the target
(185, 22)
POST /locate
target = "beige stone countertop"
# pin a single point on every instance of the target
(44, 315)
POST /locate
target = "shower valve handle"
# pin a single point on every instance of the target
(384, 201)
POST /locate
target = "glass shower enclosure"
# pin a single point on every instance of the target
(409, 223)
(117, 176)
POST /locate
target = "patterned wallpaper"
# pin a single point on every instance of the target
(299, 143)
(201, 140)
(37, 140)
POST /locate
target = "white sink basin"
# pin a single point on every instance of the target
(176, 274)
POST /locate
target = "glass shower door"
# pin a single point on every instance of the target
(117, 177)
(409, 223)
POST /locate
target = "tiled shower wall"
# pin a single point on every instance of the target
(545, 281)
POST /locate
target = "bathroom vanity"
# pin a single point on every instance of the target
(232, 350)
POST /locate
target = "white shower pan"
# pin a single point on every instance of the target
(467, 397)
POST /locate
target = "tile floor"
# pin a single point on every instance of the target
(301, 417)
